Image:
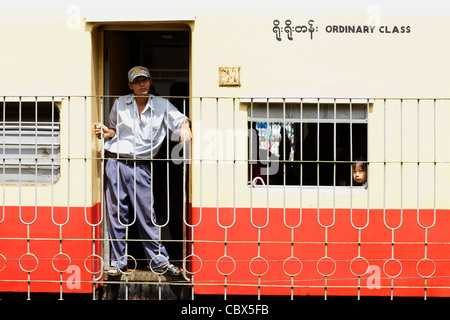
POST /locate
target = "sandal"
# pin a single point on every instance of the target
(170, 269)
(115, 271)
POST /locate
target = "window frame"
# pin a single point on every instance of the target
(363, 104)
(34, 156)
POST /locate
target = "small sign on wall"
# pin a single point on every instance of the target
(229, 76)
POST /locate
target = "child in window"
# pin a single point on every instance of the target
(360, 173)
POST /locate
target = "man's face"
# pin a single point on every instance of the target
(141, 86)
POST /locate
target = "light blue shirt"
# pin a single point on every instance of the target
(142, 136)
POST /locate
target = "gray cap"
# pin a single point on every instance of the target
(138, 71)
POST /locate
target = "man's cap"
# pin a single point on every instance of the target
(138, 72)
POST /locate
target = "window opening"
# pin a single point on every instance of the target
(30, 150)
(310, 144)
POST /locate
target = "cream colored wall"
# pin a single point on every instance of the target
(51, 55)
(409, 166)
(53, 48)
(409, 160)
(78, 181)
(57, 53)
(331, 65)
(44, 57)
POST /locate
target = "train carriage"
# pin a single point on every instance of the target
(286, 103)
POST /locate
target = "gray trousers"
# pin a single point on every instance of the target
(123, 200)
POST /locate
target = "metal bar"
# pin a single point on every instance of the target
(4, 169)
(330, 199)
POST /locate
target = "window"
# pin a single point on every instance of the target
(29, 152)
(306, 143)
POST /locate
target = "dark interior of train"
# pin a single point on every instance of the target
(166, 55)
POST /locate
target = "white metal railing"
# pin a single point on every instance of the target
(239, 170)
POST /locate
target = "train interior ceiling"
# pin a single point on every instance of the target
(166, 55)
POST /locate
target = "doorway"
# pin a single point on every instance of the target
(166, 55)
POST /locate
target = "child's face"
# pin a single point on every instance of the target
(359, 174)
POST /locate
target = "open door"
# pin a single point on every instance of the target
(166, 55)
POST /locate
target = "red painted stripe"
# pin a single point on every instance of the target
(39, 257)
(375, 268)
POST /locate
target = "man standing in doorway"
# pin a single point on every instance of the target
(138, 124)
